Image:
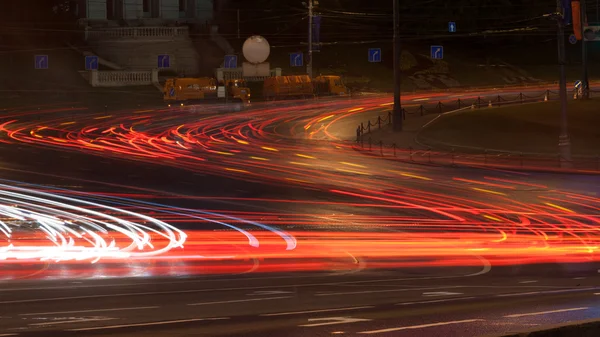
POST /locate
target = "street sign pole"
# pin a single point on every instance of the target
(564, 142)
(309, 65)
(397, 118)
(584, 55)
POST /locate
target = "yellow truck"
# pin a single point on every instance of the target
(278, 87)
(329, 85)
(204, 88)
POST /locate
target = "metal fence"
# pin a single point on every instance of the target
(490, 158)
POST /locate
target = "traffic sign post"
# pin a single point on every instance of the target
(91, 63)
(41, 62)
(164, 61)
(375, 55)
(296, 59)
(452, 27)
(437, 52)
(230, 62)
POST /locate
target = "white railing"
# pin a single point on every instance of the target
(136, 33)
(122, 78)
(224, 74)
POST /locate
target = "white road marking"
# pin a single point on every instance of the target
(547, 292)
(148, 324)
(436, 301)
(8, 334)
(333, 321)
(519, 294)
(546, 312)
(244, 300)
(81, 311)
(274, 292)
(421, 326)
(526, 282)
(440, 293)
(381, 291)
(316, 311)
(72, 321)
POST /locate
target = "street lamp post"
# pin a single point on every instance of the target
(564, 142)
(397, 118)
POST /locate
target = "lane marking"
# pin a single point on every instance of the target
(383, 291)
(73, 321)
(244, 300)
(305, 156)
(333, 321)
(269, 292)
(95, 310)
(546, 312)
(315, 311)
(526, 282)
(440, 293)
(149, 324)
(437, 301)
(422, 326)
(548, 292)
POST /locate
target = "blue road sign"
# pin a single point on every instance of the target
(452, 27)
(375, 55)
(573, 39)
(230, 61)
(164, 61)
(296, 59)
(41, 61)
(172, 92)
(437, 52)
(91, 63)
(577, 84)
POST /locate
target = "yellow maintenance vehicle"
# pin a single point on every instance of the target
(329, 85)
(278, 87)
(204, 88)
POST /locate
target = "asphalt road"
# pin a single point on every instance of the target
(289, 231)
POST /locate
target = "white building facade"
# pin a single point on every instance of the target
(168, 10)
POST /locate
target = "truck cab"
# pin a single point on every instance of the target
(330, 85)
(237, 89)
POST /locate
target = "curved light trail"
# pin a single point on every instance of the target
(385, 213)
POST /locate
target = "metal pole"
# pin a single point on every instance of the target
(309, 64)
(398, 118)
(564, 143)
(238, 23)
(584, 54)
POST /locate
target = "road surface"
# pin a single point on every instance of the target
(266, 221)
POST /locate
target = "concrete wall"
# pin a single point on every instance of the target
(143, 55)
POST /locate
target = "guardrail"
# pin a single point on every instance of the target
(122, 78)
(136, 33)
(490, 158)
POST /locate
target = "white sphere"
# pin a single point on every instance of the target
(256, 49)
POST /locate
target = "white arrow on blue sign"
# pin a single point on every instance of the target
(296, 59)
(164, 61)
(374, 55)
(452, 27)
(41, 62)
(437, 52)
(230, 62)
(91, 63)
(573, 39)
(577, 84)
